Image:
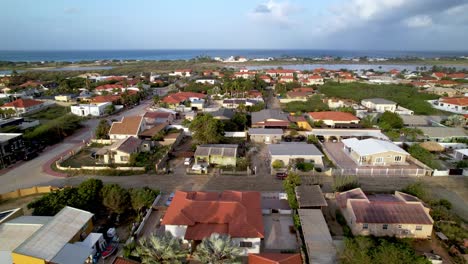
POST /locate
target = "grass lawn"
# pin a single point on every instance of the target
(50, 113)
(83, 158)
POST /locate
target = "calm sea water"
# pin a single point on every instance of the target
(91, 55)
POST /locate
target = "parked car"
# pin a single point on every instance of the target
(188, 161)
(169, 200)
(281, 175)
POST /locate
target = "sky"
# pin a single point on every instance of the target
(241, 24)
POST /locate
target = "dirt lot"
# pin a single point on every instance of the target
(20, 202)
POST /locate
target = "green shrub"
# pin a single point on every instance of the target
(277, 164)
(345, 183)
(305, 166)
(424, 156)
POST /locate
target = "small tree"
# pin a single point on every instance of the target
(109, 109)
(102, 130)
(115, 198)
(90, 194)
(217, 249)
(141, 198)
(160, 249)
(389, 120)
(206, 129)
(277, 164)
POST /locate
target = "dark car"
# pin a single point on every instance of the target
(281, 175)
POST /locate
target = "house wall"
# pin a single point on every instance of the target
(332, 122)
(176, 230)
(262, 138)
(220, 160)
(119, 136)
(255, 245)
(379, 107)
(119, 155)
(85, 110)
(86, 229)
(23, 259)
(388, 158)
(317, 160)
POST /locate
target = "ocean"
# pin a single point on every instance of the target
(92, 55)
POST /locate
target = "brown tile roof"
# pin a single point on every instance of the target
(130, 125)
(239, 214)
(23, 103)
(342, 198)
(275, 258)
(181, 96)
(154, 130)
(296, 119)
(333, 115)
(158, 114)
(129, 145)
(109, 87)
(121, 260)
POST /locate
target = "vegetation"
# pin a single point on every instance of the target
(277, 164)
(342, 221)
(405, 95)
(345, 183)
(50, 113)
(160, 249)
(237, 123)
(313, 104)
(369, 250)
(206, 129)
(142, 198)
(305, 166)
(55, 130)
(289, 185)
(217, 249)
(102, 130)
(424, 156)
(388, 121)
(416, 189)
(115, 198)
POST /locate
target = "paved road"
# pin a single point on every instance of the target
(38, 172)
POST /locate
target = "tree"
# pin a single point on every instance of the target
(240, 119)
(416, 189)
(277, 164)
(102, 130)
(423, 155)
(368, 121)
(217, 249)
(115, 198)
(206, 129)
(141, 198)
(156, 99)
(411, 134)
(389, 121)
(160, 249)
(89, 192)
(109, 109)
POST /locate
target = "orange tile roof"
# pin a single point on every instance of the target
(121, 260)
(439, 74)
(236, 213)
(181, 96)
(109, 87)
(130, 125)
(333, 115)
(462, 101)
(105, 98)
(30, 84)
(275, 258)
(304, 89)
(23, 103)
(457, 75)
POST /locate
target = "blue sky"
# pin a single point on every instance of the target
(226, 24)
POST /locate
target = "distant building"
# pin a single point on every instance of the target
(288, 153)
(379, 105)
(400, 215)
(443, 134)
(216, 154)
(89, 109)
(182, 73)
(333, 118)
(457, 105)
(374, 152)
(265, 135)
(24, 106)
(120, 151)
(12, 148)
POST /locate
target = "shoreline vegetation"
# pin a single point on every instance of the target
(204, 63)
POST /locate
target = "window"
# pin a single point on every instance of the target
(245, 244)
(399, 226)
(365, 226)
(385, 226)
(123, 158)
(397, 158)
(363, 159)
(418, 228)
(379, 160)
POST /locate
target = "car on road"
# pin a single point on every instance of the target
(188, 161)
(169, 200)
(281, 175)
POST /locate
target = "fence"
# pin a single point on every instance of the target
(26, 192)
(381, 172)
(102, 141)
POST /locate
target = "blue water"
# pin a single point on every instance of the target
(91, 55)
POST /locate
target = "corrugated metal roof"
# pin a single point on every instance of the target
(371, 146)
(265, 131)
(294, 149)
(226, 150)
(310, 196)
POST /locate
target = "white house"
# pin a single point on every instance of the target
(206, 81)
(193, 216)
(379, 105)
(182, 73)
(90, 109)
(457, 105)
(288, 153)
(24, 106)
(374, 152)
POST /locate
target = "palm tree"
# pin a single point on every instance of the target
(217, 249)
(160, 249)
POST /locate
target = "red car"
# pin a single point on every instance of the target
(281, 175)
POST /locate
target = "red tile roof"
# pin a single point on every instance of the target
(293, 94)
(439, 74)
(275, 258)
(121, 260)
(304, 89)
(333, 115)
(296, 119)
(115, 78)
(238, 214)
(462, 101)
(446, 82)
(130, 125)
(23, 103)
(109, 87)
(315, 77)
(457, 76)
(105, 98)
(30, 84)
(158, 114)
(181, 96)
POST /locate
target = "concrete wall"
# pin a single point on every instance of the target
(28, 191)
(262, 138)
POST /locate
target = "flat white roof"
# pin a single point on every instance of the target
(462, 151)
(371, 146)
(49, 240)
(319, 243)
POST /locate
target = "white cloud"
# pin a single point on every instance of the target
(275, 12)
(418, 21)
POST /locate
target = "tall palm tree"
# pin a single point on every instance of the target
(217, 249)
(160, 249)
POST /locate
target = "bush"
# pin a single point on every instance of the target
(297, 221)
(345, 183)
(423, 155)
(416, 189)
(277, 164)
(305, 166)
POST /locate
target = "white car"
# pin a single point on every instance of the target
(169, 200)
(187, 161)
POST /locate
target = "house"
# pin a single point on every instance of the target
(275, 258)
(270, 118)
(114, 99)
(313, 80)
(457, 76)
(109, 88)
(175, 99)
(310, 197)
(98, 109)
(443, 134)
(457, 105)
(182, 73)
(461, 154)
(400, 215)
(334, 118)
(64, 98)
(130, 126)
(153, 118)
(120, 151)
(266, 78)
(280, 73)
(254, 94)
(286, 79)
(403, 111)
(198, 104)
(193, 216)
(57, 239)
(379, 105)
(216, 154)
(265, 135)
(153, 130)
(289, 153)
(12, 148)
(374, 152)
(206, 81)
(298, 95)
(300, 121)
(381, 79)
(244, 75)
(449, 92)
(234, 103)
(24, 106)
(223, 114)
(439, 75)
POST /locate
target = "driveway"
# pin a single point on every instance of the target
(277, 233)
